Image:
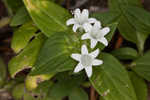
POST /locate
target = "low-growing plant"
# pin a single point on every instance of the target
(66, 52)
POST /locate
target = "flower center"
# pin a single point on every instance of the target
(86, 60)
(81, 20)
(95, 34)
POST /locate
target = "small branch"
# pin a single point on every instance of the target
(119, 42)
(4, 21)
(92, 94)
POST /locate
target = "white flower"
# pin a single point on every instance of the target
(80, 18)
(86, 60)
(96, 34)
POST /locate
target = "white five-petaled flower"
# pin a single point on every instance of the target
(86, 60)
(96, 34)
(80, 19)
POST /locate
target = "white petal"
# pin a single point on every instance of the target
(84, 49)
(77, 13)
(93, 43)
(75, 27)
(78, 68)
(105, 31)
(97, 62)
(97, 24)
(95, 53)
(92, 20)
(87, 27)
(85, 36)
(88, 71)
(70, 21)
(76, 56)
(104, 41)
(85, 13)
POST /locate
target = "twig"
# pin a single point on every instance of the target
(119, 42)
(92, 94)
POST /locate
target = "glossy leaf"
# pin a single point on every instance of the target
(63, 88)
(27, 57)
(125, 27)
(142, 66)
(125, 53)
(107, 17)
(78, 94)
(42, 90)
(28, 96)
(139, 18)
(20, 17)
(18, 91)
(55, 54)
(139, 85)
(49, 17)
(119, 5)
(12, 6)
(111, 80)
(22, 36)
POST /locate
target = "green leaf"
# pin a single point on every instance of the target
(22, 36)
(27, 57)
(125, 27)
(107, 18)
(20, 17)
(18, 91)
(63, 88)
(49, 17)
(55, 54)
(28, 96)
(78, 94)
(2, 72)
(125, 53)
(142, 66)
(111, 80)
(119, 5)
(42, 90)
(139, 18)
(140, 86)
(12, 6)
(128, 26)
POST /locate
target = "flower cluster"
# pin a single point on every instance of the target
(93, 31)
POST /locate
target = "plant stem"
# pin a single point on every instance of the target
(92, 94)
(119, 42)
